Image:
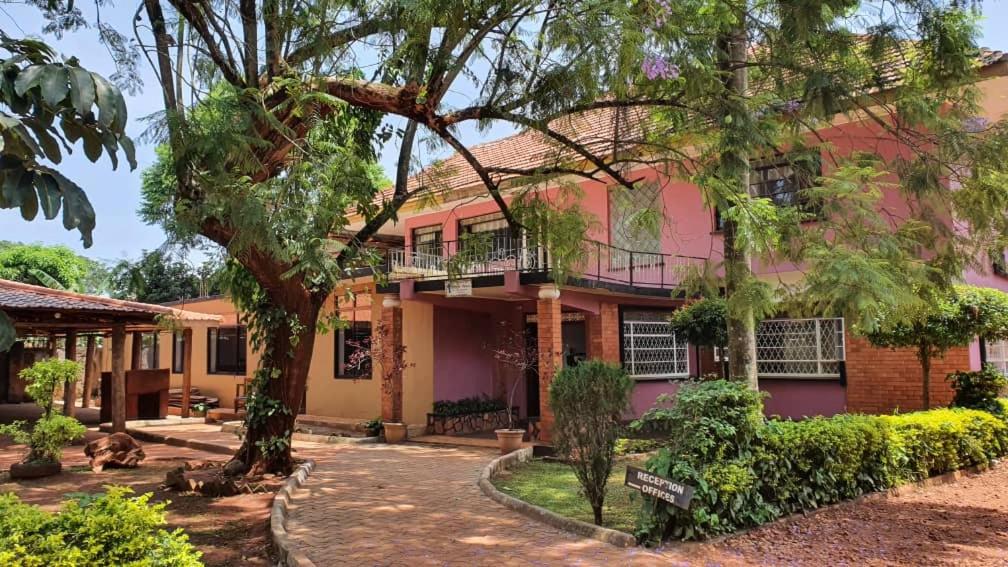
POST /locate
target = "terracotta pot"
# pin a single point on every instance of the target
(394, 432)
(509, 439)
(34, 470)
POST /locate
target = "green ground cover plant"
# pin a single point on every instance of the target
(115, 528)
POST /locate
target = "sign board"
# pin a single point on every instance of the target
(659, 487)
(458, 288)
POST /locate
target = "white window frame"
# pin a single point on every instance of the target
(631, 333)
(997, 354)
(838, 356)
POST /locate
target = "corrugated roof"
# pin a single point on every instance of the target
(22, 296)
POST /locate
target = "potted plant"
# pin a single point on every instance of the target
(520, 354)
(372, 427)
(199, 410)
(53, 431)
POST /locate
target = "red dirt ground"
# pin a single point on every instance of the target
(229, 531)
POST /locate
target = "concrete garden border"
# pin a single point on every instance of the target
(584, 529)
(290, 556)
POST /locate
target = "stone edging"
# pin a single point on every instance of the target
(584, 529)
(289, 554)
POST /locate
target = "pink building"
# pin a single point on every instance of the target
(616, 306)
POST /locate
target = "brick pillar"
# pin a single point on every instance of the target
(550, 345)
(603, 333)
(391, 341)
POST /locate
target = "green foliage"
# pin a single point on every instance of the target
(37, 264)
(114, 528)
(703, 322)
(52, 431)
(979, 389)
(589, 401)
(708, 435)
(747, 473)
(159, 277)
(633, 445)
(45, 376)
(373, 426)
(477, 404)
(49, 105)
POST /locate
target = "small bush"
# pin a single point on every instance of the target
(52, 431)
(634, 446)
(978, 390)
(588, 402)
(115, 528)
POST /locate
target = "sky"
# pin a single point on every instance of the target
(115, 194)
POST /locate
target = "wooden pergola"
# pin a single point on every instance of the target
(40, 311)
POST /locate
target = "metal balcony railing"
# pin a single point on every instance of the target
(602, 262)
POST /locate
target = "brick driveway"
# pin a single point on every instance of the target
(413, 505)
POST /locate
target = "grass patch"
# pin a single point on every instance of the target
(553, 486)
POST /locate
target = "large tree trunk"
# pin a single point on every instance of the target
(289, 351)
(738, 261)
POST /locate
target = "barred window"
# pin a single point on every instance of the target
(800, 348)
(997, 355)
(650, 348)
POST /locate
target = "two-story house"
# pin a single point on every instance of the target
(614, 306)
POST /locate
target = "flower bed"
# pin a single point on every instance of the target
(469, 422)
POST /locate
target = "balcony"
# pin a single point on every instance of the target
(494, 256)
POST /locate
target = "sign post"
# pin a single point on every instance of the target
(659, 487)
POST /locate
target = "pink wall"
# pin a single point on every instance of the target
(463, 366)
(788, 398)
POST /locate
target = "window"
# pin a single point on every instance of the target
(783, 180)
(997, 355)
(178, 353)
(800, 348)
(355, 339)
(427, 241)
(650, 348)
(149, 351)
(226, 350)
(629, 219)
(492, 226)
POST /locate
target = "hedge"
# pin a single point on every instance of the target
(797, 466)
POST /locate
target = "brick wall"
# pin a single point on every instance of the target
(883, 380)
(549, 327)
(604, 333)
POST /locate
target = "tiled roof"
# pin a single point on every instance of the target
(22, 296)
(595, 130)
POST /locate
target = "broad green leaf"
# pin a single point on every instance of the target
(7, 333)
(111, 147)
(54, 85)
(28, 78)
(82, 90)
(29, 202)
(111, 106)
(50, 147)
(72, 130)
(45, 279)
(77, 210)
(11, 181)
(49, 195)
(92, 145)
(129, 149)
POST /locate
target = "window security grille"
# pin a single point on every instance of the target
(650, 348)
(997, 355)
(800, 348)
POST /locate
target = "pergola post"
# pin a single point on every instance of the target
(119, 378)
(89, 371)
(136, 352)
(70, 388)
(187, 346)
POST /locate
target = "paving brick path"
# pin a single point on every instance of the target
(413, 505)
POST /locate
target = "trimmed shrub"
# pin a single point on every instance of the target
(978, 390)
(747, 472)
(114, 528)
(588, 401)
(47, 437)
(934, 442)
